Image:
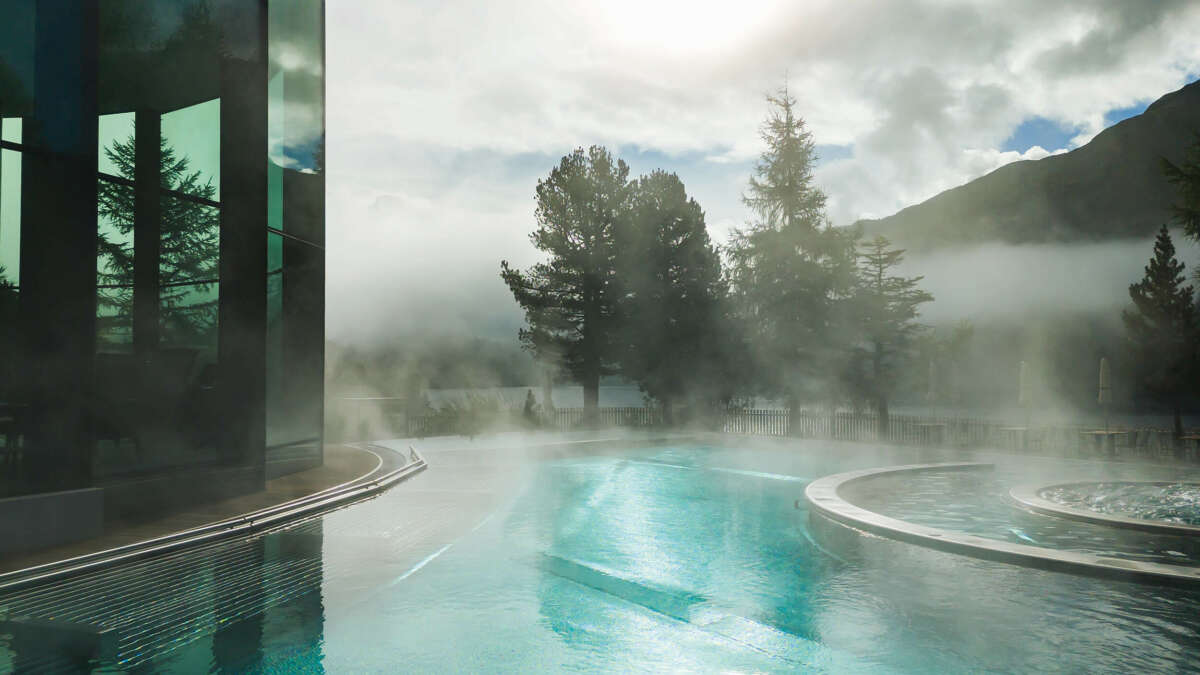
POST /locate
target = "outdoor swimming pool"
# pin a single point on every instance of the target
(681, 556)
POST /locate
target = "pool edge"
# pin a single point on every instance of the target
(823, 498)
(1027, 497)
(254, 522)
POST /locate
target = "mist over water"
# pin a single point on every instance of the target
(1015, 282)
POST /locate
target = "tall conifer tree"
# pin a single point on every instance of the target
(1162, 328)
(672, 312)
(571, 299)
(887, 306)
(1185, 176)
(789, 269)
(188, 240)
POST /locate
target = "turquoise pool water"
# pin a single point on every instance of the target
(635, 559)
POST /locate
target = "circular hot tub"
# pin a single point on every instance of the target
(1161, 506)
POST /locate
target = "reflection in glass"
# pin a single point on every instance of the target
(188, 313)
(114, 244)
(188, 266)
(158, 408)
(194, 133)
(16, 62)
(10, 129)
(295, 363)
(10, 204)
(10, 269)
(110, 368)
(296, 90)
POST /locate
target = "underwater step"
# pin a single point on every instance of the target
(674, 602)
(695, 610)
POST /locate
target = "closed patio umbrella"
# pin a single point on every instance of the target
(1025, 391)
(1105, 397)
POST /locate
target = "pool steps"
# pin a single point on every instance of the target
(695, 610)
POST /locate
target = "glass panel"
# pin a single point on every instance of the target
(188, 316)
(295, 347)
(114, 244)
(16, 60)
(10, 269)
(115, 145)
(114, 319)
(190, 231)
(189, 241)
(295, 204)
(274, 195)
(276, 433)
(191, 140)
(296, 111)
(167, 55)
(156, 410)
(48, 191)
(10, 129)
(10, 205)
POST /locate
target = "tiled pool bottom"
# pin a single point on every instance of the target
(658, 559)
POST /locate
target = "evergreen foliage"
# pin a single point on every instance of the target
(1185, 176)
(887, 308)
(948, 349)
(674, 341)
(789, 270)
(188, 240)
(571, 300)
(1162, 327)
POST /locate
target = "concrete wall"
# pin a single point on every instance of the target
(50, 518)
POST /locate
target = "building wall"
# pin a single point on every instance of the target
(161, 239)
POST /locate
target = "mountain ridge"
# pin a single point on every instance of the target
(1109, 188)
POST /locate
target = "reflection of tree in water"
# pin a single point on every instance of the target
(188, 241)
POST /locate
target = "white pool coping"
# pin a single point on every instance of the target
(824, 499)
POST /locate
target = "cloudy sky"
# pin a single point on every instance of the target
(443, 115)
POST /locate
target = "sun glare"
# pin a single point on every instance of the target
(681, 26)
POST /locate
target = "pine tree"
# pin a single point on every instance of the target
(1186, 179)
(570, 301)
(188, 239)
(1162, 327)
(888, 306)
(672, 322)
(789, 270)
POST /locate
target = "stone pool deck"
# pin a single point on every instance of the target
(342, 464)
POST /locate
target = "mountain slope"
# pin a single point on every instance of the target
(1109, 188)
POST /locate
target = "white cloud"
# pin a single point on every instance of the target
(925, 92)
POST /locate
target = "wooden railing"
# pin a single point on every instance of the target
(565, 419)
(364, 418)
(1081, 441)
(382, 417)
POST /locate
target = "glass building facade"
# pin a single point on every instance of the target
(161, 247)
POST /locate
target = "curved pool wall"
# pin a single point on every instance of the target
(524, 557)
(826, 502)
(1029, 497)
(392, 467)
